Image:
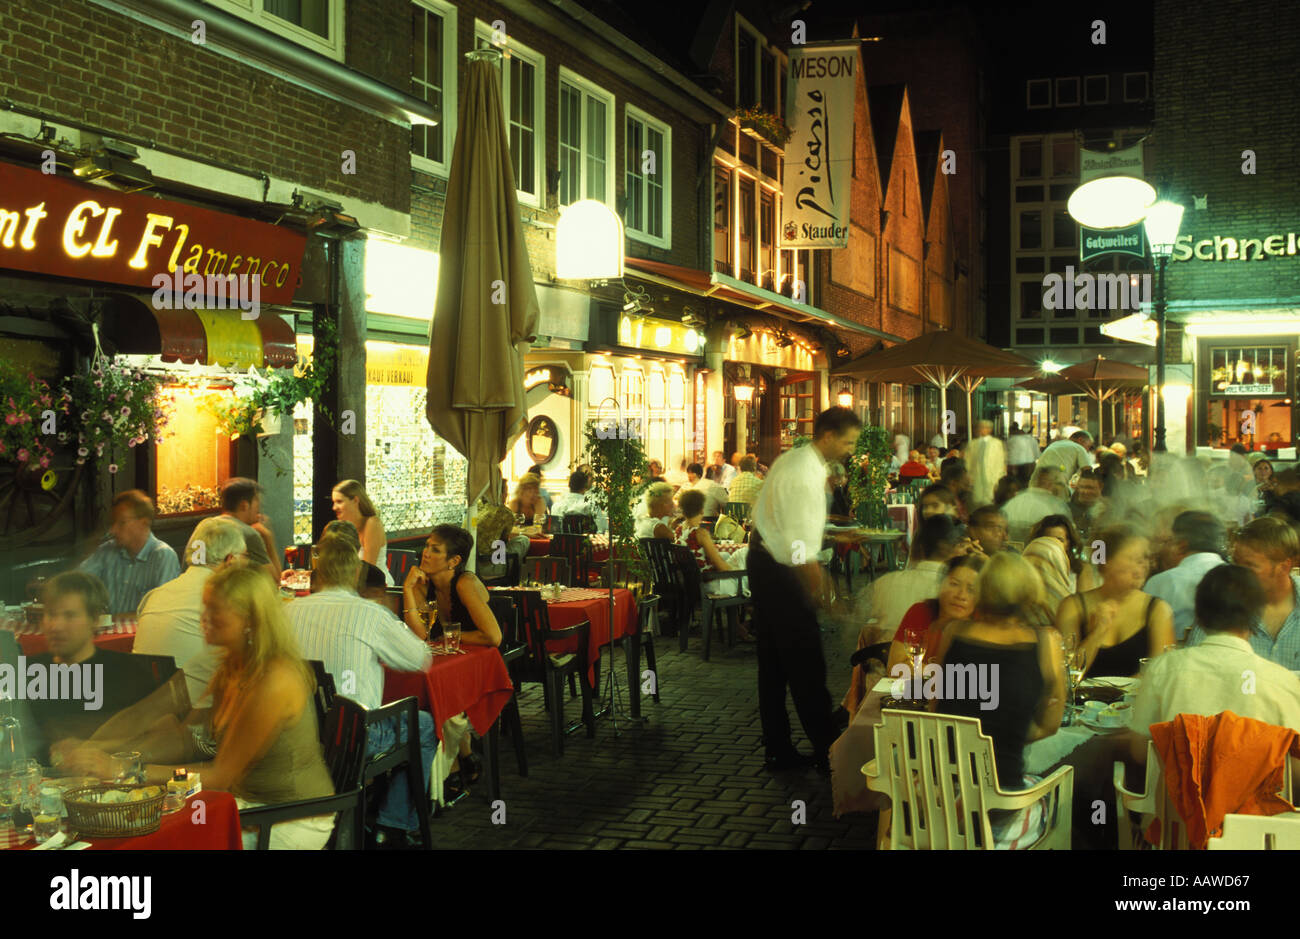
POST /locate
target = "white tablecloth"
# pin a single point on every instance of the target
(1043, 754)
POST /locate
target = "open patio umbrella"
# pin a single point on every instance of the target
(940, 358)
(486, 307)
(1102, 378)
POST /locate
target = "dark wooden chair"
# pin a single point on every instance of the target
(395, 600)
(551, 670)
(547, 570)
(574, 523)
(675, 607)
(401, 756)
(694, 583)
(576, 549)
(514, 649)
(401, 560)
(740, 511)
(324, 694)
(499, 575)
(344, 746)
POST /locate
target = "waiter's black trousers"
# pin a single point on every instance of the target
(789, 654)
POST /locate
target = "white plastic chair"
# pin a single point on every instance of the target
(940, 776)
(1258, 833)
(1154, 801)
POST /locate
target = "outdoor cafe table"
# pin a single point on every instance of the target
(475, 684)
(178, 831)
(593, 606)
(119, 636)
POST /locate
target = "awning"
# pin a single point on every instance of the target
(726, 288)
(205, 337)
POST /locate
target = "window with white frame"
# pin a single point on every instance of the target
(522, 84)
(647, 181)
(316, 24)
(1067, 92)
(586, 140)
(433, 78)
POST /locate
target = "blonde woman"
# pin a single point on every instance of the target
(262, 719)
(351, 504)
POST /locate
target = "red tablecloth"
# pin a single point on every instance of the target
(595, 611)
(475, 683)
(209, 822)
(120, 637)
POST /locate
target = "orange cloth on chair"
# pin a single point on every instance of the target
(1221, 765)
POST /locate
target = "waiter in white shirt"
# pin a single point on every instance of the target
(789, 524)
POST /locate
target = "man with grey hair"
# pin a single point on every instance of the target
(1069, 455)
(371, 582)
(1040, 500)
(168, 619)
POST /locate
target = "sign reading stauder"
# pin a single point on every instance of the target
(52, 225)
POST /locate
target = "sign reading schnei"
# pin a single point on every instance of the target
(51, 225)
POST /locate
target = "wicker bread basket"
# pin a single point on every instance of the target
(96, 819)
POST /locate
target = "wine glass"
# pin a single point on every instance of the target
(451, 637)
(13, 748)
(1077, 660)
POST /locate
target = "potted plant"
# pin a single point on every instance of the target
(24, 399)
(113, 406)
(771, 127)
(620, 474)
(868, 471)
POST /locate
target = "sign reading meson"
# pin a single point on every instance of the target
(819, 153)
(62, 228)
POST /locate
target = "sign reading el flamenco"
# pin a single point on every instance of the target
(50, 225)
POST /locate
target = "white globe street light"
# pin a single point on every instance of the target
(1111, 202)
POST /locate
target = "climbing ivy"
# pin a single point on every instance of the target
(620, 474)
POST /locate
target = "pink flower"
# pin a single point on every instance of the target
(11, 418)
(106, 416)
(112, 467)
(99, 384)
(45, 462)
(23, 455)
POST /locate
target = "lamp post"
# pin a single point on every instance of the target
(1161, 224)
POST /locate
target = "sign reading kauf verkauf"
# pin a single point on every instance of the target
(819, 153)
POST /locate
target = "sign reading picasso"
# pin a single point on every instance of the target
(62, 228)
(818, 156)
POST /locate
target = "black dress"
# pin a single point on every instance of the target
(459, 613)
(1019, 680)
(1125, 658)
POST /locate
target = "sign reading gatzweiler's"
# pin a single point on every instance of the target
(50, 225)
(819, 153)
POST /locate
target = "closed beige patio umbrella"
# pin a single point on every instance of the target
(486, 309)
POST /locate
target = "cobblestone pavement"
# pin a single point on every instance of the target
(691, 777)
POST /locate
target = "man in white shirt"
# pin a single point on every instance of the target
(1069, 455)
(167, 622)
(986, 461)
(356, 639)
(1027, 509)
(1022, 453)
(789, 520)
(715, 497)
(720, 471)
(577, 502)
(1198, 537)
(1223, 672)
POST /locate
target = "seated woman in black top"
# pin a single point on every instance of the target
(1031, 671)
(441, 578)
(1116, 624)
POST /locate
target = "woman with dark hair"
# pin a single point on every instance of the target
(441, 578)
(1117, 624)
(924, 622)
(1080, 574)
(351, 504)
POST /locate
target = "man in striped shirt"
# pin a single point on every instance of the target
(133, 560)
(356, 638)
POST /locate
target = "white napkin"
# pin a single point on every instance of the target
(59, 841)
(453, 731)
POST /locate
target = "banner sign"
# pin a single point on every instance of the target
(52, 225)
(1095, 165)
(819, 153)
(1094, 242)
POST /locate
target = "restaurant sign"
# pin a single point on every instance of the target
(55, 226)
(1095, 242)
(656, 335)
(819, 153)
(1265, 389)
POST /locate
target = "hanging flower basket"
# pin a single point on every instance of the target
(113, 407)
(24, 399)
(759, 123)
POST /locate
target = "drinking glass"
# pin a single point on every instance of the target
(128, 766)
(31, 786)
(13, 747)
(11, 788)
(45, 827)
(1076, 662)
(451, 637)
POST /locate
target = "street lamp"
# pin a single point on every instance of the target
(845, 396)
(743, 390)
(1161, 225)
